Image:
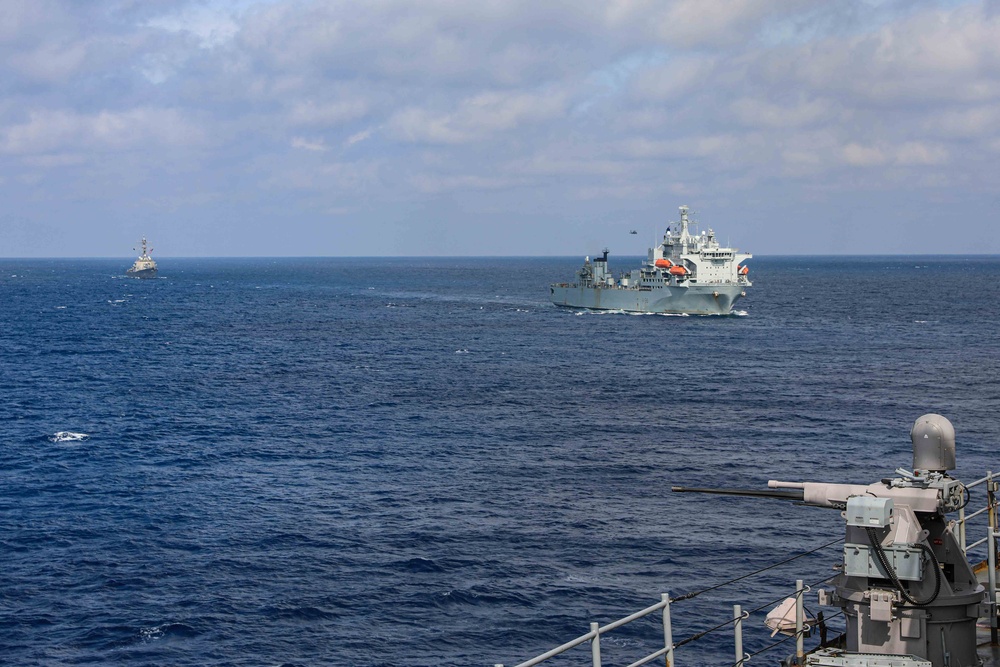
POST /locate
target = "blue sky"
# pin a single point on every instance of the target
(497, 127)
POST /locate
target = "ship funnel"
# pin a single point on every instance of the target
(933, 439)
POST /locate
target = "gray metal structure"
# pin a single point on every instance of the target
(687, 273)
(905, 586)
(144, 266)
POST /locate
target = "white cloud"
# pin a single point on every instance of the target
(65, 131)
(670, 80)
(760, 113)
(358, 137)
(310, 112)
(478, 116)
(307, 145)
(908, 154)
(213, 26)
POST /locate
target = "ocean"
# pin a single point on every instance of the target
(423, 462)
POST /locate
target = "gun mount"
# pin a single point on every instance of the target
(905, 585)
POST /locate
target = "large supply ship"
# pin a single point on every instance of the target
(687, 273)
(144, 266)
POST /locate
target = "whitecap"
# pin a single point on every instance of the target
(69, 436)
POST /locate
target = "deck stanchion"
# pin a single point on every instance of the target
(738, 631)
(668, 636)
(595, 643)
(961, 527)
(800, 653)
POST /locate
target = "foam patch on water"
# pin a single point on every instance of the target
(167, 630)
(628, 312)
(69, 436)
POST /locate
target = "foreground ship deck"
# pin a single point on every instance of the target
(687, 273)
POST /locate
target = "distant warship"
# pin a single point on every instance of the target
(686, 273)
(144, 267)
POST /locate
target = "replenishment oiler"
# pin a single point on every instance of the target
(688, 273)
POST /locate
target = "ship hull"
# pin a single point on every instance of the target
(143, 273)
(693, 300)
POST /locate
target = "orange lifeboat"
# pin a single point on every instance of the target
(663, 264)
(678, 270)
(743, 270)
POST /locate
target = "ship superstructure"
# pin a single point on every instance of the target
(687, 272)
(144, 266)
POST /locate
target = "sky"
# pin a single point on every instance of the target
(497, 127)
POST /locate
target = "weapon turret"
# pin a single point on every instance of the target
(905, 584)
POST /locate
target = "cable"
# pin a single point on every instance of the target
(688, 596)
(968, 497)
(884, 562)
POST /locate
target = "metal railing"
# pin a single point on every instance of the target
(991, 545)
(802, 629)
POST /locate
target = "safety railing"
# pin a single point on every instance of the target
(990, 510)
(802, 629)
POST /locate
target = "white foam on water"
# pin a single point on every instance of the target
(629, 312)
(68, 436)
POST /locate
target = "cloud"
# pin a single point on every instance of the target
(208, 24)
(311, 112)
(909, 154)
(478, 116)
(393, 102)
(60, 131)
(760, 113)
(358, 137)
(306, 144)
(929, 57)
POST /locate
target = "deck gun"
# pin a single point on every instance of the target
(905, 585)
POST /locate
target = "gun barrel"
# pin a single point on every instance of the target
(792, 494)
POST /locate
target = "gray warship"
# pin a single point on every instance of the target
(904, 588)
(688, 273)
(144, 266)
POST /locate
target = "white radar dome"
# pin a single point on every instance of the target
(933, 439)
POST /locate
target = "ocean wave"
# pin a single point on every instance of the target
(68, 436)
(166, 631)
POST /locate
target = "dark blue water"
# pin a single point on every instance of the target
(422, 462)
